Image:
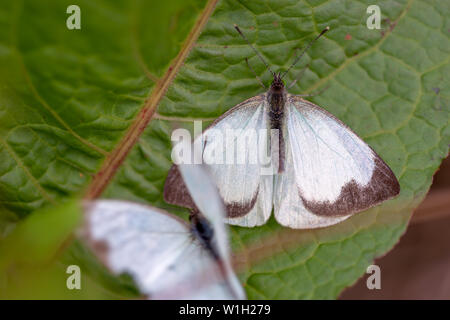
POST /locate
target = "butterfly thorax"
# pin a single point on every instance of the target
(276, 97)
(203, 231)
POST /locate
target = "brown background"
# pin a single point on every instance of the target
(419, 265)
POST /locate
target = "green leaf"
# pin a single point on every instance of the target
(26, 252)
(74, 102)
(28, 236)
(35, 256)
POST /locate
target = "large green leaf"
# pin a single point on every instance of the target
(74, 102)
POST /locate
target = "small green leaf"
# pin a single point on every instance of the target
(29, 244)
(35, 256)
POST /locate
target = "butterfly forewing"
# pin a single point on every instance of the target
(234, 164)
(336, 173)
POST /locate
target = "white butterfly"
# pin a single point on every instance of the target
(326, 173)
(166, 257)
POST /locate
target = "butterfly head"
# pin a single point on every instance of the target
(277, 83)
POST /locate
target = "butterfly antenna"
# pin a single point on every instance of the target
(254, 49)
(304, 50)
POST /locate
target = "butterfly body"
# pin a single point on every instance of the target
(276, 99)
(201, 229)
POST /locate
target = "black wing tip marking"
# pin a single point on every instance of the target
(355, 198)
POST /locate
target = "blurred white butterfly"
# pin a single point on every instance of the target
(326, 173)
(167, 257)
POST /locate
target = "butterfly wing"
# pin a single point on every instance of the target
(331, 173)
(207, 200)
(247, 193)
(155, 248)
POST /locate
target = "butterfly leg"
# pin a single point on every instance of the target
(254, 73)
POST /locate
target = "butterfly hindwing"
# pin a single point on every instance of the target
(288, 206)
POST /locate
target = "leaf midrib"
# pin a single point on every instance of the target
(114, 160)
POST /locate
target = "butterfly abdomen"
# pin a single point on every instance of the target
(276, 123)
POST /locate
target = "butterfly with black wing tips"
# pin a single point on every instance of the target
(326, 173)
(167, 258)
